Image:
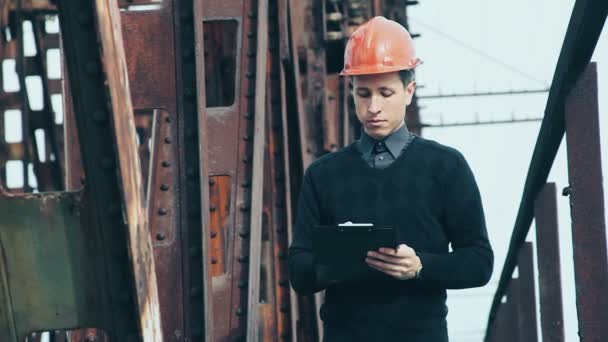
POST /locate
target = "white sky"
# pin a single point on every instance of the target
(527, 36)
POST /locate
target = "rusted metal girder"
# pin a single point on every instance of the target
(549, 274)
(587, 206)
(516, 317)
(101, 98)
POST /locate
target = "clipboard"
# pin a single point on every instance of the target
(345, 244)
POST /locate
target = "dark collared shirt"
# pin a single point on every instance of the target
(379, 154)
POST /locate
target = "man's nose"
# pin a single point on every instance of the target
(375, 105)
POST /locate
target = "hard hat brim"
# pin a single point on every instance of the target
(375, 69)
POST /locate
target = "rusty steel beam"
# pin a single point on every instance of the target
(83, 24)
(152, 69)
(549, 274)
(114, 65)
(587, 206)
(203, 147)
(257, 184)
(526, 312)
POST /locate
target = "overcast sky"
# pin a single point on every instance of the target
(481, 45)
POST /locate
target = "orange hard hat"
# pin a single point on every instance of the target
(379, 45)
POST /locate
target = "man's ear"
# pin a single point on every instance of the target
(409, 92)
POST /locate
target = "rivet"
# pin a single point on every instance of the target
(213, 234)
(250, 54)
(160, 236)
(249, 74)
(166, 163)
(247, 137)
(211, 182)
(212, 208)
(246, 184)
(164, 187)
(251, 14)
(246, 160)
(244, 233)
(167, 140)
(244, 207)
(168, 119)
(240, 312)
(248, 116)
(243, 259)
(162, 211)
(214, 260)
(99, 116)
(250, 34)
(241, 284)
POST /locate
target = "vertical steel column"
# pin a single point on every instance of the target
(549, 274)
(255, 240)
(587, 207)
(98, 78)
(526, 305)
(204, 160)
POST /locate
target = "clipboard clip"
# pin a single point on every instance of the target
(355, 227)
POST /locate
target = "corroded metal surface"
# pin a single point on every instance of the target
(587, 206)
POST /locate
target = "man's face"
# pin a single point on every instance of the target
(380, 101)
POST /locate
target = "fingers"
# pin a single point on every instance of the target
(397, 260)
(401, 250)
(383, 266)
(396, 271)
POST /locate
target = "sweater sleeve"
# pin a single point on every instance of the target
(471, 261)
(301, 259)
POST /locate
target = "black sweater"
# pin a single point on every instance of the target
(430, 196)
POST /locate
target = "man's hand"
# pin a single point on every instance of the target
(401, 263)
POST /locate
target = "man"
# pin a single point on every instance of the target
(390, 177)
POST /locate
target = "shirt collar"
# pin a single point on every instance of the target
(395, 142)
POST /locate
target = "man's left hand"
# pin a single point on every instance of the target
(401, 263)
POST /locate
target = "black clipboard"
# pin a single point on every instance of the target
(340, 250)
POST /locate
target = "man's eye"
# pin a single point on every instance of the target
(387, 93)
(363, 94)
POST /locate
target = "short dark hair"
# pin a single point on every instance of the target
(407, 76)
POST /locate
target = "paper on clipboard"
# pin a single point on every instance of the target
(350, 224)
